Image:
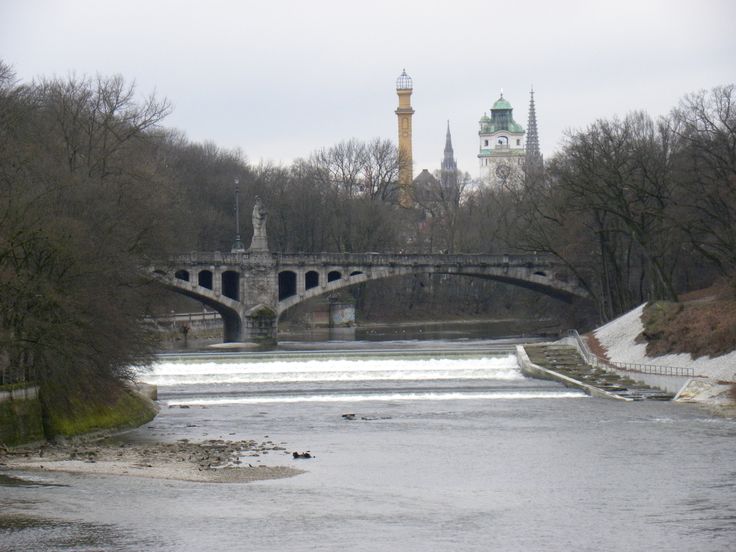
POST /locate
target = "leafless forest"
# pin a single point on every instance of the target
(92, 183)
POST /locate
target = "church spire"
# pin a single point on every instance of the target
(448, 141)
(448, 163)
(533, 155)
(448, 172)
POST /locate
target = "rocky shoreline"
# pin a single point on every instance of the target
(212, 461)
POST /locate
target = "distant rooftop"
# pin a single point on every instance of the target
(501, 103)
(501, 119)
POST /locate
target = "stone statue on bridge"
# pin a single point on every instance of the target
(260, 216)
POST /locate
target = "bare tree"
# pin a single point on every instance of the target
(705, 124)
(440, 198)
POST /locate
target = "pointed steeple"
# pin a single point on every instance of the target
(448, 172)
(448, 162)
(532, 135)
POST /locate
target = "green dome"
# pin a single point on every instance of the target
(501, 119)
(501, 104)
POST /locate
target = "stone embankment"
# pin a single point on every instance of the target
(563, 363)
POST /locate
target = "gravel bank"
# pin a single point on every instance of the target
(214, 461)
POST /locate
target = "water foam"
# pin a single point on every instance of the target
(339, 370)
(390, 397)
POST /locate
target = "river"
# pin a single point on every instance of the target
(449, 448)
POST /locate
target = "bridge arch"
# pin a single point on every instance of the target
(538, 281)
(227, 308)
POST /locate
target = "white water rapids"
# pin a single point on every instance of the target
(240, 380)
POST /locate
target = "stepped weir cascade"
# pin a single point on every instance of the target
(251, 289)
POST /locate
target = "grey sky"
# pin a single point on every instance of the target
(280, 79)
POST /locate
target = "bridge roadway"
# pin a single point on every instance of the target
(251, 289)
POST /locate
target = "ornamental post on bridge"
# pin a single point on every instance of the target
(261, 294)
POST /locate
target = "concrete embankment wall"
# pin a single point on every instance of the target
(528, 368)
(671, 384)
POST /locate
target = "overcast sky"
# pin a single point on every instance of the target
(280, 79)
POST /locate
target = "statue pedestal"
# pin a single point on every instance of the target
(259, 243)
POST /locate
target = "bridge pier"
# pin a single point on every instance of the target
(259, 325)
(232, 328)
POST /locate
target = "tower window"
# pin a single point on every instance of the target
(485, 142)
(518, 142)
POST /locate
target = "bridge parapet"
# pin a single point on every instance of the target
(207, 258)
(375, 259)
(403, 259)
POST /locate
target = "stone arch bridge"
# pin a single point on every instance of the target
(251, 289)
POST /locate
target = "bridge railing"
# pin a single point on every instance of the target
(183, 318)
(411, 259)
(594, 360)
(374, 258)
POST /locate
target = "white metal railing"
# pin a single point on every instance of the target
(21, 393)
(178, 318)
(595, 360)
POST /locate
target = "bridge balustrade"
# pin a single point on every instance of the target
(403, 259)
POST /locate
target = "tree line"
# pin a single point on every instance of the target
(92, 185)
(640, 209)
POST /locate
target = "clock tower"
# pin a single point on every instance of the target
(502, 148)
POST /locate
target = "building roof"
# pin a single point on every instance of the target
(501, 103)
(501, 119)
(404, 81)
(490, 128)
(425, 177)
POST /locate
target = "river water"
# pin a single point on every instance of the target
(450, 448)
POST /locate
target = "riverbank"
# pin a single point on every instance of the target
(212, 461)
(714, 384)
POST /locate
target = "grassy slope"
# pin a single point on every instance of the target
(702, 323)
(115, 407)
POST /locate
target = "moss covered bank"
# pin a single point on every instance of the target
(52, 413)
